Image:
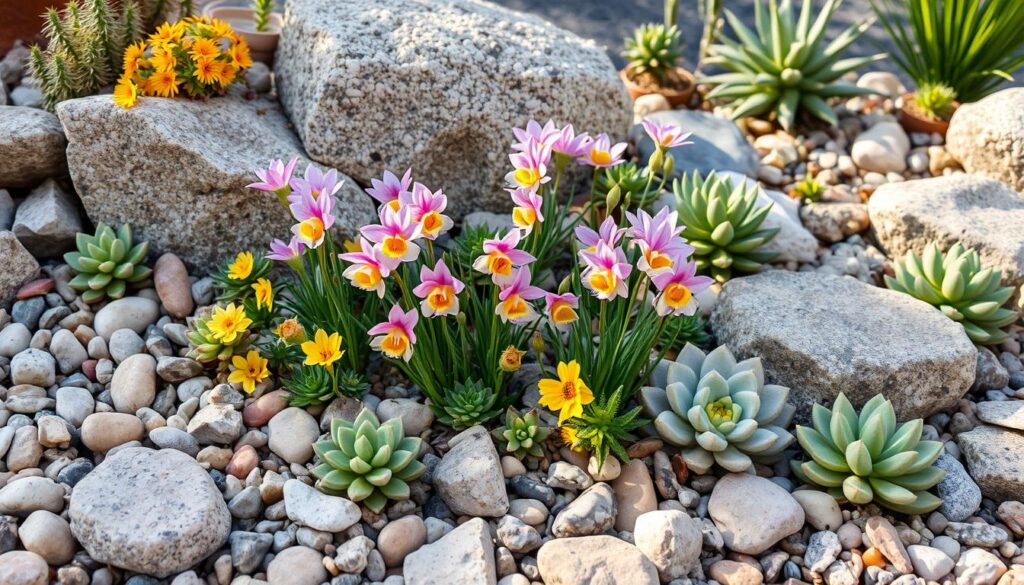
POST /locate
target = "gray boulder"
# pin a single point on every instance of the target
(31, 146)
(469, 477)
(961, 496)
(993, 457)
(821, 335)
(17, 266)
(437, 85)
(191, 199)
(47, 220)
(987, 136)
(718, 145)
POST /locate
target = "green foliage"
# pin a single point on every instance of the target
(971, 46)
(603, 428)
(783, 66)
(367, 461)
(86, 43)
(232, 289)
(654, 49)
(956, 283)
(808, 189)
(205, 347)
(868, 458)
(632, 181)
(522, 436)
(936, 100)
(261, 13)
(352, 383)
(308, 386)
(468, 404)
(722, 224)
(718, 410)
(683, 330)
(107, 263)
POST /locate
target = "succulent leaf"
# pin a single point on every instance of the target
(103, 267)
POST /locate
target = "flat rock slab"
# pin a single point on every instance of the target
(993, 458)
(987, 136)
(177, 170)
(437, 85)
(598, 560)
(153, 512)
(984, 214)
(718, 145)
(821, 335)
(1004, 413)
(31, 146)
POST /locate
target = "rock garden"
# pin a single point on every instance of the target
(429, 293)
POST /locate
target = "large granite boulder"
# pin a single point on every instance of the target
(17, 266)
(718, 145)
(152, 512)
(821, 335)
(987, 136)
(436, 85)
(31, 146)
(177, 171)
(984, 214)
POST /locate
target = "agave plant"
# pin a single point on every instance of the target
(718, 410)
(522, 436)
(467, 405)
(107, 263)
(957, 284)
(867, 457)
(784, 66)
(367, 461)
(722, 224)
(653, 50)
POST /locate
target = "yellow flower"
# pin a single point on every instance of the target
(241, 268)
(351, 246)
(125, 93)
(569, 438)
(248, 371)
(163, 58)
(132, 54)
(511, 359)
(226, 73)
(203, 49)
(207, 71)
(168, 32)
(290, 331)
(324, 350)
(163, 84)
(240, 54)
(567, 394)
(218, 28)
(227, 323)
(264, 293)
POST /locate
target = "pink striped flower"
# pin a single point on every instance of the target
(561, 309)
(602, 154)
(368, 268)
(275, 178)
(527, 211)
(389, 190)
(534, 133)
(514, 296)
(658, 238)
(395, 337)
(666, 135)
(426, 209)
(315, 182)
(439, 291)
(608, 232)
(606, 272)
(565, 142)
(531, 166)
(394, 236)
(313, 214)
(283, 252)
(677, 287)
(501, 256)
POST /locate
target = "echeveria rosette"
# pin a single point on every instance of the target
(867, 457)
(367, 461)
(467, 405)
(107, 263)
(522, 436)
(957, 285)
(718, 410)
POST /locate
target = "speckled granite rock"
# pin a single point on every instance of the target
(31, 146)
(821, 334)
(993, 457)
(47, 220)
(1004, 413)
(603, 560)
(17, 266)
(987, 136)
(982, 213)
(960, 495)
(154, 512)
(191, 199)
(436, 85)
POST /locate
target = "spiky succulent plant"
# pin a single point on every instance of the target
(522, 436)
(723, 224)
(936, 100)
(718, 410)
(956, 283)
(654, 49)
(308, 386)
(603, 428)
(683, 329)
(807, 189)
(869, 458)
(107, 263)
(468, 404)
(784, 66)
(367, 461)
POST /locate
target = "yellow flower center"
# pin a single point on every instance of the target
(603, 281)
(515, 306)
(395, 204)
(657, 261)
(499, 263)
(395, 343)
(367, 277)
(441, 298)
(677, 295)
(312, 229)
(526, 177)
(569, 390)
(395, 246)
(562, 313)
(431, 223)
(601, 157)
(524, 216)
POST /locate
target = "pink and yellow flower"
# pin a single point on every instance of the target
(427, 209)
(369, 268)
(666, 135)
(677, 288)
(394, 236)
(313, 214)
(658, 238)
(534, 133)
(531, 166)
(561, 309)
(316, 183)
(501, 257)
(567, 143)
(389, 189)
(275, 178)
(289, 252)
(602, 154)
(606, 271)
(513, 305)
(608, 232)
(527, 211)
(439, 291)
(395, 337)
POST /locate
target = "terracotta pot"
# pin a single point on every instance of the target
(911, 122)
(23, 20)
(675, 98)
(261, 44)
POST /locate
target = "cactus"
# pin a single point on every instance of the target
(654, 49)
(468, 404)
(107, 263)
(959, 287)
(718, 410)
(367, 461)
(522, 436)
(868, 458)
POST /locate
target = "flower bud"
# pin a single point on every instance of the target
(670, 164)
(564, 286)
(612, 200)
(511, 359)
(537, 343)
(461, 319)
(656, 160)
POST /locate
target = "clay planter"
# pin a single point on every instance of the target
(913, 122)
(675, 97)
(261, 44)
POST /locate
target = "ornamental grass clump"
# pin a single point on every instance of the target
(935, 100)
(718, 411)
(367, 461)
(784, 66)
(869, 458)
(958, 285)
(107, 263)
